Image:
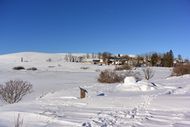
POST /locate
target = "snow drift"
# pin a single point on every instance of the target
(130, 84)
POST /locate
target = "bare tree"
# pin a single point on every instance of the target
(148, 73)
(99, 55)
(66, 58)
(14, 90)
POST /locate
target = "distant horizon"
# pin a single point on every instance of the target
(91, 53)
(125, 26)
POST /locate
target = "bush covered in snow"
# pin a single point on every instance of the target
(18, 68)
(14, 90)
(109, 76)
(181, 69)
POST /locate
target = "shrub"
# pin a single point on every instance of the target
(18, 68)
(32, 68)
(123, 67)
(181, 69)
(148, 73)
(108, 76)
(14, 90)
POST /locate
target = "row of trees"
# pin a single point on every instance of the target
(154, 59)
(151, 59)
(75, 58)
(165, 60)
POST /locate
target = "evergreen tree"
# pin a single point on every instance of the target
(154, 59)
(168, 58)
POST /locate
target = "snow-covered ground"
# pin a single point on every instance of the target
(163, 101)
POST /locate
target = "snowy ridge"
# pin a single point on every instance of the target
(35, 56)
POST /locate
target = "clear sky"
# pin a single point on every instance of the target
(116, 26)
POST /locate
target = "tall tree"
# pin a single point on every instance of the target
(106, 57)
(168, 59)
(154, 59)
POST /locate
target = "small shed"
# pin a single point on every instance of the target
(83, 92)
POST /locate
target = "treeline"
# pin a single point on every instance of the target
(166, 59)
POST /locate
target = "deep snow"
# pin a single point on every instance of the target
(55, 99)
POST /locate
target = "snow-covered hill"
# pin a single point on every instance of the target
(55, 101)
(36, 57)
(44, 62)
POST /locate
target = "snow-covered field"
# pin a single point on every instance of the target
(55, 101)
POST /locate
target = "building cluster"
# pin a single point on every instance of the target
(152, 59)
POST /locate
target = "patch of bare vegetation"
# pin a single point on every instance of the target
(181, 69)
(148, 73)
(109, 76)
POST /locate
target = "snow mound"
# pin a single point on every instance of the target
(130, 84)
(129, 80)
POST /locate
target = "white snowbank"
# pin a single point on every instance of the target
(129, 80)
(130, 84)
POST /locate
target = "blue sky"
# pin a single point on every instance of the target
(116, 26)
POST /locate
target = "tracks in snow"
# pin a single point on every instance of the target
(122, 117)
(140, 116)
